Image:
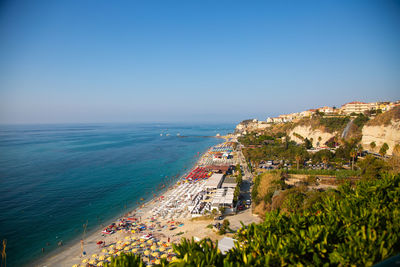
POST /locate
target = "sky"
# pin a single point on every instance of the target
(96, 61)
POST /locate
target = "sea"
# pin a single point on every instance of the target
(55, 179)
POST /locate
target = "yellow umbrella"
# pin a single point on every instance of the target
(127, 237)
(168, 244)
(146, 252)
(104, 250)
(118, 253)
(142, 245)
(119, 247)
(94, 255)
(141, 240)
(157, 262)
(127, 243)
(134, 243)
(100, 264)
(149, 241)
(159, 243)
(170, 250)
(111, 251)
(92, 262)
(102, 257)
(133, 238)
(109, 259)
(119, 242)
(126, 248)
(75, 265)
(84, 260)
(161, 249)
(155, 254)
(153, 247)
(164, 256)
(111, 246)
(133, 231)
(134, 250)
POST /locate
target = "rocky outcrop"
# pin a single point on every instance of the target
(381, 134)
(248, 126)
(385, 128)
(317, 136)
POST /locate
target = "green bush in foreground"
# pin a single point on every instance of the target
(354, 226)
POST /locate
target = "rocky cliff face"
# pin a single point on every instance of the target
(385, 128)
(381, 134)
(317, 136)
(248, 126)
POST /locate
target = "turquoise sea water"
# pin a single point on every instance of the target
(55, 178)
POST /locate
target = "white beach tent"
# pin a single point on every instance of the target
(226, 244)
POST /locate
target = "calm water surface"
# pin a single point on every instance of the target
(55, 178)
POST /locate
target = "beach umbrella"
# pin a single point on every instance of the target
(102, 257)
(127, 243)
(159, 243)
(141, 240)
(142, 245)
(157, 262)
(126, 248)
(127, 237)
(153, 247)
(170, 250)
(111, 246)
(155, 254)
(147, 252)
(134, 243)
(84, 260)
(109, 259)
(118, 253)
(133, 231)
(92, 262)
(149, 241)
(100, 263)
(94, 255)
(104, 250)
(161, 249)
(168, 244)
(119, 242)
(111, 251)
(75, 265)
(164, 256)
(134, 250)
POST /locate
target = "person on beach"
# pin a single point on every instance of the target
(81, 247)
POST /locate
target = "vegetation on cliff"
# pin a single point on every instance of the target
(385, 118)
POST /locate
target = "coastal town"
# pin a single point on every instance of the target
(233, 184)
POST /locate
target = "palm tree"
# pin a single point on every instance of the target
(298, 158)
(325, 161)
(353, 154)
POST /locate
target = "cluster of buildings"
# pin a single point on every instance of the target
(356, 107)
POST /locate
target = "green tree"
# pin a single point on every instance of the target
(372, 167)
(372, 145)
(383, 149)
(307, 143)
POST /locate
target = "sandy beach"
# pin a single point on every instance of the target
(152, 228)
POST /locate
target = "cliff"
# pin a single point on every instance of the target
(384, 128)
(248, 126)
(317, 136)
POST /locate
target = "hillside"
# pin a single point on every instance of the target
(384, 128)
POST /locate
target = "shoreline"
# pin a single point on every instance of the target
(68, 254)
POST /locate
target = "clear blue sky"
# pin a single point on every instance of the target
(126, 61)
